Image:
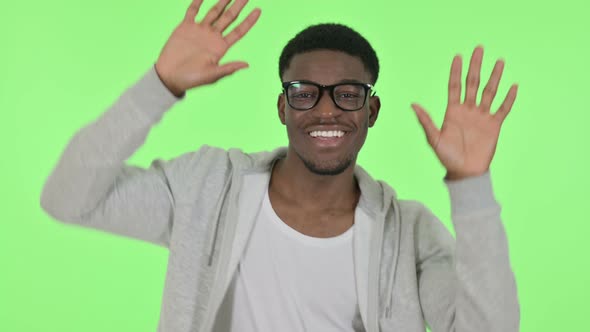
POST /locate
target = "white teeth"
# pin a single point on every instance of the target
(332, 133)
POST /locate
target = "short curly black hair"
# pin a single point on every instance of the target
(331, 36)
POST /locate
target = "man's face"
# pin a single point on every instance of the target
(327, 155)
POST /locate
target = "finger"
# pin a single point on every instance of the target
(472, 79)
(230, 15)
(193, 9)
(455, 81)
(225, 70)
(430, 129)
(489, 92)
(215, 12)
(506, 106)
(239, 31)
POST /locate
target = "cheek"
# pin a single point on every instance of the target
(363, 127)
(291, 124)
(292, 119)
(363, 120)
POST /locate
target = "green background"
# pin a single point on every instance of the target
(64, 62)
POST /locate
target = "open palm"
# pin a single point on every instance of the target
(192, 53)
(466, 142)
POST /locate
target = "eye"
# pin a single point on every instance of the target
(349, 92)
(348, 95)
(302, 95)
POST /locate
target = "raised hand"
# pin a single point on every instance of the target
(191, 55)
(467, 140)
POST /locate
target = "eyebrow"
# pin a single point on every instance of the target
(346, 80)
(350, 80)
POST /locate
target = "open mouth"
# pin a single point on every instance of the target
(327, 133)
(327, 138)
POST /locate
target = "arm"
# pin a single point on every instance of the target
(91, 185)
(469, 286)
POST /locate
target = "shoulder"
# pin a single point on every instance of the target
(205, 157)
(426, 230)
(214, 159)
(412, 222)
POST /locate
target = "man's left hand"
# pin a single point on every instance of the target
(467, 140)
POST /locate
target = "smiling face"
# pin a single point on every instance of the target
(325, 138)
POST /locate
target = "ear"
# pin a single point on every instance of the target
(374, 107)
(281, 107)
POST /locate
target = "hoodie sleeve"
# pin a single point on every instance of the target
(92, 186)
(468, 285)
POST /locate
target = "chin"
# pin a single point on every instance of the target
(332, 167)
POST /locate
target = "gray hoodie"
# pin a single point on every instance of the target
(410, 272)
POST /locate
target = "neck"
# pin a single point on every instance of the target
(294, 182)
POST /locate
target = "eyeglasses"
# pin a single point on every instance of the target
(304, 95)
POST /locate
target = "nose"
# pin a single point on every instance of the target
(326, 108)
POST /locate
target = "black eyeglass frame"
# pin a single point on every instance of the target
(366, 86)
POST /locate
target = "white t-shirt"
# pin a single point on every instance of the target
(288, 281)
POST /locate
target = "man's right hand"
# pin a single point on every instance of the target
(191, 55)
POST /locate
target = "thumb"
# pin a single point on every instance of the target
(430, 129)
(225, 70)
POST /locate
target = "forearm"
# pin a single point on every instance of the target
(486, 298)
(96, 153)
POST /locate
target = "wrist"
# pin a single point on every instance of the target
(457, 176)
(177, 92)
